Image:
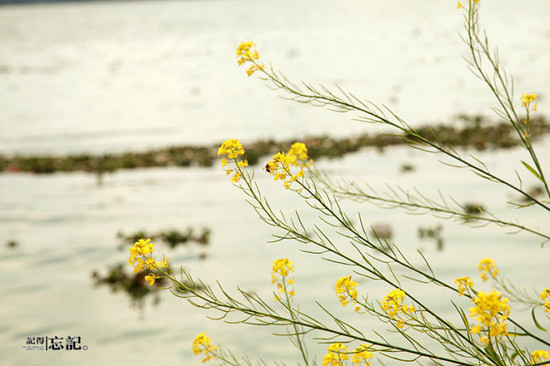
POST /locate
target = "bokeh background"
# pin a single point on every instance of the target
(123, 76)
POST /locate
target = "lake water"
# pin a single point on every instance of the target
(122, 76)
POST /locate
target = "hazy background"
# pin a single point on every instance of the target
(123, 76)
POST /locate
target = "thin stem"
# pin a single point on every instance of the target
(301, 347)
(229, 307)
(443, 210)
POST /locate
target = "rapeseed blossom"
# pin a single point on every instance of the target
(487, 266)
(361, 354)
(246, 53)
(463, 283)
(491, 310)
(526, 100)
(337, 354)
(393, 305)
(233, 150)
(282, 267)
(201, 344)
(282, 164)
(545, 295)
(539, 356)
(141, 256)
(151, 278)
(345, 288)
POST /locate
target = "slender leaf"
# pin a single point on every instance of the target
(533, 171)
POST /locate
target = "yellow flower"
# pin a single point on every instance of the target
(299, 150)
(201, 344)
(487, 266)
(463, 283)
(345, 288)
(162, 264)
(141, 247)
(141, 256)
(236, 177)
(361, 354)
(526, 100)
(337, 354)
(151, 278)
(331, 359)
(538, 356)
(233, 149)
(245, 53)
(545, 295)
(393, 305)
(282, 267)
(282, 164)
(199, 340)
(491, 310)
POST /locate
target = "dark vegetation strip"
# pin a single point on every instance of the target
(476, 132)
(134, 284)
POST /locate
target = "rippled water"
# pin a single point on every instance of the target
(131, 75)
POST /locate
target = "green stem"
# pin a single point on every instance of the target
(473, 40)
(360, 195)
(230, 307)
(297, 332)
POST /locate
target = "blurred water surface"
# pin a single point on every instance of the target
(105, 76)
(115, 76)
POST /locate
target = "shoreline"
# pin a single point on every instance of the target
(475, 131)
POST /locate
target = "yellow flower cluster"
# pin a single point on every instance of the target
(487, 266)
(232, 149)
(491, 310)
(141, 255)
(463, 284)
(545, 295)
(338, 353)
(282, 267)
(282, 163)
(539, 356)
(526, 100)
(201, 344)
(245, 53)
(345, 288)
(361, 354)
(393, 305)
